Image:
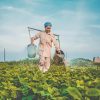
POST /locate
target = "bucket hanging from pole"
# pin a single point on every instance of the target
(31, 49)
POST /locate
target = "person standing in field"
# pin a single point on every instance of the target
(45, 45)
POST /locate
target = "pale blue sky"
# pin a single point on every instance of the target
(76, 21)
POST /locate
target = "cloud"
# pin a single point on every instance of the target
(13, 32)
(73, 26)
(14, 9)
(35, 3)
(15, 41)
(95, 26)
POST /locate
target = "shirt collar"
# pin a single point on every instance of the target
(49, 33)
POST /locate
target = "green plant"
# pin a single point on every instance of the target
(24, 80)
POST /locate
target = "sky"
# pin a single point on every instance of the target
(76, 21)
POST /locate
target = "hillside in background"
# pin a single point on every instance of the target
(81, 62)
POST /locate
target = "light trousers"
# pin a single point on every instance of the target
(44, 63)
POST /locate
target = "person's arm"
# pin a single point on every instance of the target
(35, 37)
(56, 44)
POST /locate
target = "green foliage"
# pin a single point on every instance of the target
(93, 92)
(74, 92)
(24, 81)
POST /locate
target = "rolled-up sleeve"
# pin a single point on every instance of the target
(55, 42)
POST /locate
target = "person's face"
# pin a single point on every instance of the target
(48, 29)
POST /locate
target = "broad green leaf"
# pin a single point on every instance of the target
(93, 92)
(74, 92)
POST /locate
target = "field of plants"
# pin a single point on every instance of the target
(24, 81)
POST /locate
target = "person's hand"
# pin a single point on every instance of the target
(58, 51)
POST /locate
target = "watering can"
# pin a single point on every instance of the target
(59, 58)
(31, 49)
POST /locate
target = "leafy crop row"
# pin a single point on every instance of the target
(26, 82)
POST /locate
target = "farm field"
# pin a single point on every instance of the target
(24, 81)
